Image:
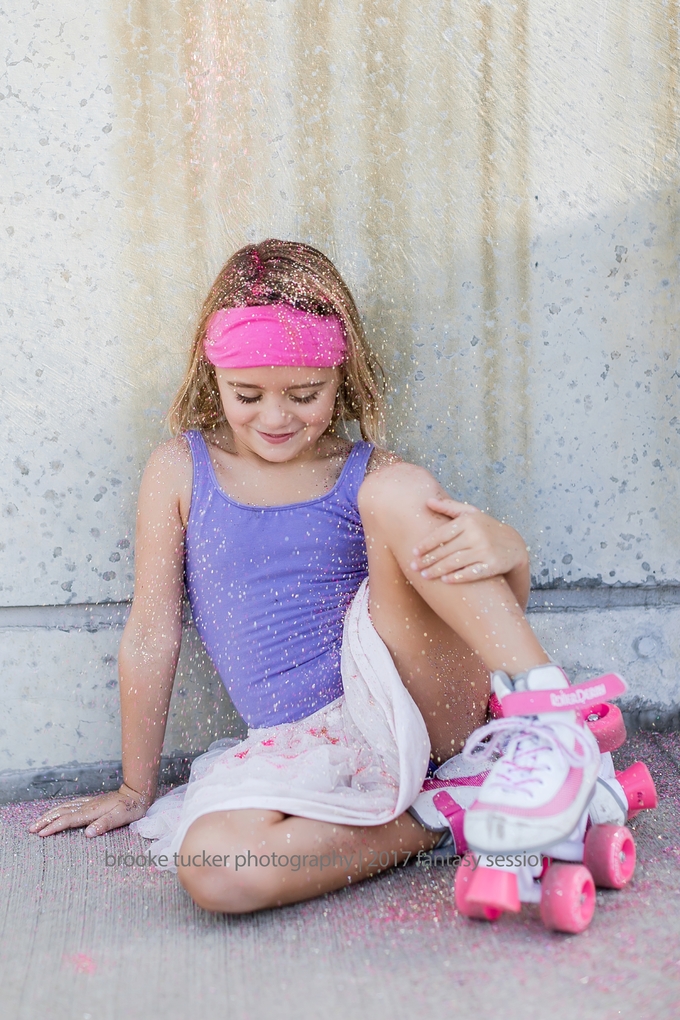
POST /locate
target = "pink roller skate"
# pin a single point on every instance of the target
(563, 883)
(541, 784)
(599, 852)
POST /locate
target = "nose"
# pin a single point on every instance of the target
(275, 415)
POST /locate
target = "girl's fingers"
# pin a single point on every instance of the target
(107, 822)
(60, 812)
(450, 507)
(470, 547)
(438, 539)
(473, 572)
(458, 546)
(58, 822)
(463, 524)
(89, 811)
(465, 560)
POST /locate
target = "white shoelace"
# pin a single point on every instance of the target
(520, 741)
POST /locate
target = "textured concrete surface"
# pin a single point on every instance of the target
(642, 644)
(80, 941)
(77, 718)
(498, 183)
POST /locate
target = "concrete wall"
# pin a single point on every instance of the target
(499, 185)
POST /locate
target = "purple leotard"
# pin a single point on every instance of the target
(269, 587)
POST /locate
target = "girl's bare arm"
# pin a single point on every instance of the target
(148, 651)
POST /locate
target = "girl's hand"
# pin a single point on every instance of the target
(472, 546)
(101, 813)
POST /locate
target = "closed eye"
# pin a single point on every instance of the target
(305, 400)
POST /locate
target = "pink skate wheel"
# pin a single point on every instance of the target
(463, 905)
(638, 787)
(609, 855)
(606, 724)
(567, 898)
(491, 887)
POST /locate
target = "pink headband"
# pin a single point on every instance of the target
(273, 335)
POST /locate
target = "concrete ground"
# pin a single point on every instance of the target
(80, 941)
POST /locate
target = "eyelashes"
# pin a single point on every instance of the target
(296, 400)
(305, 400)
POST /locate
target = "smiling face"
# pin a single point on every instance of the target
(279, 413)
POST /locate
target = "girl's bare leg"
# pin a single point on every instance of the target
(240, 861)
(444, 639)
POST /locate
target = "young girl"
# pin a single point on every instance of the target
(274, 522)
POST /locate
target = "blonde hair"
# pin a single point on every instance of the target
(275, 272)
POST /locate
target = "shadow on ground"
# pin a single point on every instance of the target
(83, 941)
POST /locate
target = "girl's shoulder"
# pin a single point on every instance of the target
(168, 475)
(380, 459)
(173, 455)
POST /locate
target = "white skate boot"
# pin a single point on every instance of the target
(538, 789)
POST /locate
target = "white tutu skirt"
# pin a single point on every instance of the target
(359, 761)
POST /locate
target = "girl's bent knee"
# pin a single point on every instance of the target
(226, 891)
(223, 894)
(402, 487)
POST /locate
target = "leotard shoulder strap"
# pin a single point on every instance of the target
(354, 471)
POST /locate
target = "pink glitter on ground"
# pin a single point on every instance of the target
(81, 963)
(385, 949)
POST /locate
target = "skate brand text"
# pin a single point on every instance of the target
(577, 697)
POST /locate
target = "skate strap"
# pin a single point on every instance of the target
(454, 815)
(592, 692)
(446, 784)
